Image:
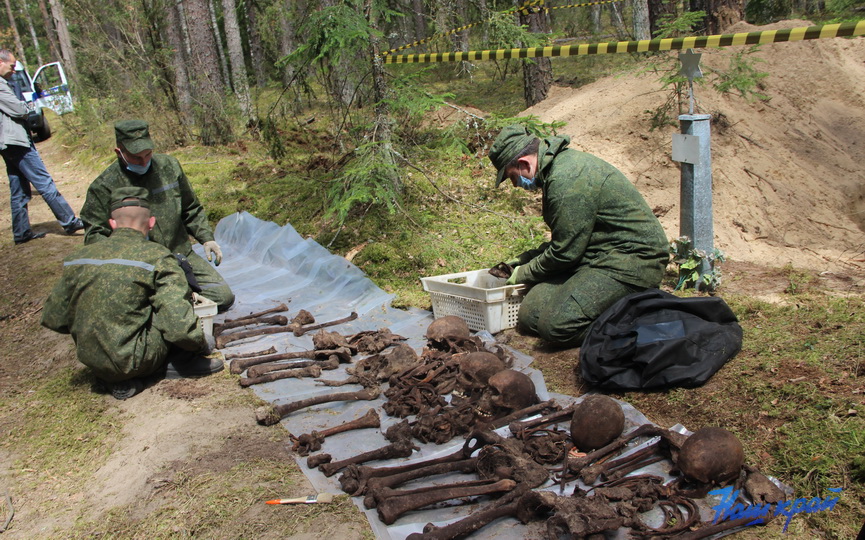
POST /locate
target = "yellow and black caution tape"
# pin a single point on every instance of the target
(646, 45)
(532, 6)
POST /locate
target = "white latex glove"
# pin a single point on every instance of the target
(212, 252)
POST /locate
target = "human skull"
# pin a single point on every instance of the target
(476, 368)
(509, 390)
(712, 455)
(447, 330)
(596, 422)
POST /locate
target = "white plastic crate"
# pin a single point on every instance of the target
(205, 309)
(482, 300)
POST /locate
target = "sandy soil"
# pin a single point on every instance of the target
(789, 187)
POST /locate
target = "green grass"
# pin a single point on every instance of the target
(65, 433)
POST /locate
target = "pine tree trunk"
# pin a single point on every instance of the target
(256, 50)
(618, 23)
(25, 13)
(19, 47)
(383, 130)
(537, 72)
(223, 63)
(210, 117)
(50, 31)
(66, 50)
(642, 29)
(286, 40)
(173, 36)
(238, 64)
(418, 12)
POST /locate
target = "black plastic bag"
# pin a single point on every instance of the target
(655, 340)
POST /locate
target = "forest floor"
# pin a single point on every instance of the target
(185, 458)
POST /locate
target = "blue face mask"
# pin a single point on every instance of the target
(137, 169)
(529, 184)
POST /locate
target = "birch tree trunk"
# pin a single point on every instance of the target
(19, 47)
(66, 50)
(50, 31)
(210, 116)
(642, 28)
(238, 64)
(25, 13)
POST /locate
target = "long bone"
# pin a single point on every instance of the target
(311, 442)
(239, 365)
(468, 465)
(263, 369)
(394, 450)
(516, 415)
(391, 509)
(510, 504)
(269, 415)
(277, 320)
(382, 494)
(523, 429)
(354, 480)
(251, 354)
(277, 309)
(296, 373)
(576, 465)
(297, 329)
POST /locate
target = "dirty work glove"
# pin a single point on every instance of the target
(515, 277)
(213, 253)
(501, 270)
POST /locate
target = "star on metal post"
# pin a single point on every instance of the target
(690, 69)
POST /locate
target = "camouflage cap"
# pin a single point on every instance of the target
(510, 142)
(129, 196)
(133, 136)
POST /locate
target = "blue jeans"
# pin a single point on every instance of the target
(25, 167)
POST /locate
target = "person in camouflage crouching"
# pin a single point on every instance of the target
(605, 241)
(178, 212)
(127, 304)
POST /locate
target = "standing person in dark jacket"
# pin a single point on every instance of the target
(605, 242)
(178, 212)
(23, 163)
(127, 304)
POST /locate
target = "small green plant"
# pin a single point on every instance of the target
(692, 261)
(743, 76)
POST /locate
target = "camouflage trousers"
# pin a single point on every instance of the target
(561, 310)
(213, 287)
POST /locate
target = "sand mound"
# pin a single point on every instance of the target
(788, 174)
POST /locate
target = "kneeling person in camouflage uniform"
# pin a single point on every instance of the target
(127, 304)
(605, 242)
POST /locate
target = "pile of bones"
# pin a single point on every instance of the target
(458, 387)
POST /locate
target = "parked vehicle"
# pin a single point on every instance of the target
(47, 89)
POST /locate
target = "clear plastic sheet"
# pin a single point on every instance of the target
(266, 265)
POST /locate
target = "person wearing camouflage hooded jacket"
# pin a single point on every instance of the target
(605, 241)
(126, 303)
(173, 202)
